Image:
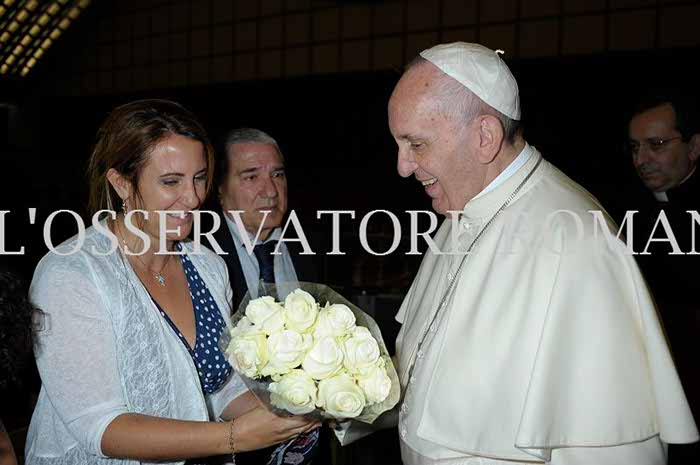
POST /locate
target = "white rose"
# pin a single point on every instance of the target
(340, 397)
(286, 351)
(247, 353)
(295, 392)
(245, 327)
(324, 359)
(267, 314)
(376, 384)
(361, 352)
(334, 320)
(300, 311)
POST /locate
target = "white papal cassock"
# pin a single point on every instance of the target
(548, 350)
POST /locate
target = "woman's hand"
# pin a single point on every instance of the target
(241, 405)
(261, 428)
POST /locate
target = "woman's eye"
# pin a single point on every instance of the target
(200, 178)
(169, 182)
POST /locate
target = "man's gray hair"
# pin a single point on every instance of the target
(239, 136)
(457, 100)
(248, 136)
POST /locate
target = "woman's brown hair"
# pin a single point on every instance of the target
(128, 136)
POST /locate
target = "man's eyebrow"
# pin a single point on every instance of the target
(249, 170)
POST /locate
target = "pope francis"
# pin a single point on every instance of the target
(528, 335)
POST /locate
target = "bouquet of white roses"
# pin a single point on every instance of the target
(306, 358)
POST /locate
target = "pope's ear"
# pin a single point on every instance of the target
(491, 138)
(119, 183)
(694, 146)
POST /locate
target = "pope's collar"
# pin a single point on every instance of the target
(496, 193)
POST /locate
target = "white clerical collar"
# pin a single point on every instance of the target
(274, 236)
(663, 196)
(510, 170)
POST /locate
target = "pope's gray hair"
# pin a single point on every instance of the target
(456, 100)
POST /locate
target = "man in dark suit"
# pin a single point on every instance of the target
(664, 142)
(251, 178)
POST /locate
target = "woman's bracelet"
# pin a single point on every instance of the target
(231, 443)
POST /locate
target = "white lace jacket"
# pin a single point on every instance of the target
(106, 350)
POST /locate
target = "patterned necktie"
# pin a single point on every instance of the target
(266, 261)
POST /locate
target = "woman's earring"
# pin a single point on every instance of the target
(125, 209)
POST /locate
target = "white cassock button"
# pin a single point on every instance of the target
(412, 380)
(432, 328)
(465, 225)
(403, 432)
(404, 408)
(420, 354)
(449, 277)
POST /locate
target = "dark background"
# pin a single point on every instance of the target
(334, 133)
(339, 154)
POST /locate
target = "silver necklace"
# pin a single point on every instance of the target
(159, 275)
(418, 352)
(160, 278)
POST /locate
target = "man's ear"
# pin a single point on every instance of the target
(120, 184)
(491, 136)
(694, 146)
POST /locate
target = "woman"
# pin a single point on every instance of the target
(129, 362)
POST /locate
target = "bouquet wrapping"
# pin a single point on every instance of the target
(311, 352)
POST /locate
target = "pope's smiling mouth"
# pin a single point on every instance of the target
(429, 182)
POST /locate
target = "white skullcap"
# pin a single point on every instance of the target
(480, 70)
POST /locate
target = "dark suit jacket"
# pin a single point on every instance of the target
(674, 279)
(303, 264)
(675, 282)
(306, 271)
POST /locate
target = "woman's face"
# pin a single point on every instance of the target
(173, 179)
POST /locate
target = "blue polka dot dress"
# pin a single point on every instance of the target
(212, 367)
(214, 370)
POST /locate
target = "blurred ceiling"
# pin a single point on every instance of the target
(28, 28)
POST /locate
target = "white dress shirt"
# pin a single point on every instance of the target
(285, 275)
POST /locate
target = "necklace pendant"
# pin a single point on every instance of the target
(161, 279)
